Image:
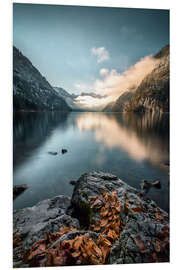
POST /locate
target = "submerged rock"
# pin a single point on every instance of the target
(146, 185)
(18, 189)
(52, 153)
(63, 151)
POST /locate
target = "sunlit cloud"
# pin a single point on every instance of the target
(90, 102)
(115, 83)
(103, 71)
(101, 53)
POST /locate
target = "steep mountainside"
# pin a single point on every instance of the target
(153, 92)
(121, 102)
(31, 91)
(108, 107)
(69, 98)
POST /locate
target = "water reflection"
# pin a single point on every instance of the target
(131, 146)
(143, 137)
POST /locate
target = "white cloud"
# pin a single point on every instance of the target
(101, 53)
(115, 83)
(103, 71)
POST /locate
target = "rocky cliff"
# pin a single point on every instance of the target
(31, 91)
(153, 92)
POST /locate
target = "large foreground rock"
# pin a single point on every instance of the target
(145, 235)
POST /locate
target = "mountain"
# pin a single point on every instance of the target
(31, 91)
(153, 92)
(120, 103)
(108, 107)
(68, 98)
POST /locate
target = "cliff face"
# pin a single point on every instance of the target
(121, 102)
(153, 92)
(31, 91)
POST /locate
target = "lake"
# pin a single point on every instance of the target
(131, 146)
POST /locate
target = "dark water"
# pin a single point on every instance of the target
(134, 147)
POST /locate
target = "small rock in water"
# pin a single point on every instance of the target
(145, 185)
(156, 184)
(17, 190)
(52, 153)
(63, 151)
(73, 182)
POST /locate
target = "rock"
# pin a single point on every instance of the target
(144, 227)
(156, 184)
(144, 224)
(52, 153)
(146, 185)
(18, 189)
(49, 215)
(73, 182)
(63, 151)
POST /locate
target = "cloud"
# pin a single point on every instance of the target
(115, 83)
(101, 53)
(103, 71)
(90, 102)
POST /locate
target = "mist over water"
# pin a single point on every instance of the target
(134, 147)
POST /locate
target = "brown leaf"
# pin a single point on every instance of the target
(159, 216)
(157, 245)
(76, 254)
(118, 208)
(104, 212)
(137, 210)
(140, 244)
(103, 222)
(112, 235)
(105, 252)
(78, 242)
(103, 241)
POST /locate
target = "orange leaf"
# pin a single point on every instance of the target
(137, 209)
(103, 222)
(140, 244)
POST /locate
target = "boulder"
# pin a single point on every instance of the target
(32, 223)
(145, 236)
(141, 228)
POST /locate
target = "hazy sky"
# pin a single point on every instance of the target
(74, 46)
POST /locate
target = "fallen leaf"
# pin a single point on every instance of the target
(103, 222)
(137, 210)
(140, 244)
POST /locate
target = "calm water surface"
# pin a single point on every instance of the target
(134, 147)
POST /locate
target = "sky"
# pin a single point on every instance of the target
(86, 49)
